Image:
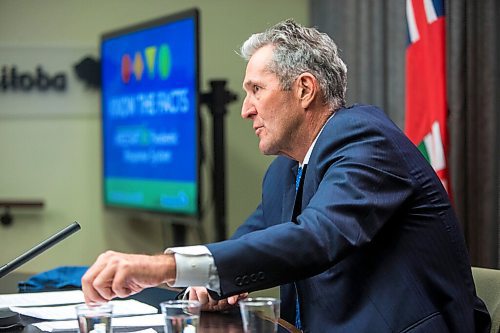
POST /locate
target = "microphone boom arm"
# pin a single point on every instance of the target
(7, 268)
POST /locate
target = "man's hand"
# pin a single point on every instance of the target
(209, 304)
(119, 275)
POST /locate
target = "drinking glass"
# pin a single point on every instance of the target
(260, 315)
(94, 319)
(181, 316)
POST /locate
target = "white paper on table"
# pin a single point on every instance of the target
(139, 321)
(43, 298)
(120, 308)
(51, 326)
(147, 330)
(134, 321)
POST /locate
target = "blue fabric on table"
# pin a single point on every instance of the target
(64, 277)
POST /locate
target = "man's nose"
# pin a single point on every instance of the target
(247, 109)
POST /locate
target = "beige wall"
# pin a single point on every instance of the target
(57, 158)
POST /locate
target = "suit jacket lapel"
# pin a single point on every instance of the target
(289, 196)
(292, 199)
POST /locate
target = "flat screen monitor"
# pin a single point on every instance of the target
(150, 116)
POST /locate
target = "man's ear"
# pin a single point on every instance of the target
(307, 89)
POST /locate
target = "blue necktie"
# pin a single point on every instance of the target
(297, 180)
(297, 306)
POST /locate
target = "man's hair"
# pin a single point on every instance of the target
(297, 50)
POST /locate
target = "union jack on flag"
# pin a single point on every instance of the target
(426, 107)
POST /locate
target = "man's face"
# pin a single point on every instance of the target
(275, 113)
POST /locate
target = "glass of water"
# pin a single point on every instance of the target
(260, 315)
(181, 316)
(94, 319)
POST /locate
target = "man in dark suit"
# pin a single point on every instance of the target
(354, 225)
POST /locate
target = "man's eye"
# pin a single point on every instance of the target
(256, 89)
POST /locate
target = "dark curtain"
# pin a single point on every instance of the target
(372, 36)
(473, 98)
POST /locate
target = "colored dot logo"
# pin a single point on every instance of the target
(126, 68)
(156, 61)
(165, 62)
(150, 53)
(138, 67)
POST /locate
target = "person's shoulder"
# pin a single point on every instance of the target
(361, 115)
(359, 123)
(357, 110)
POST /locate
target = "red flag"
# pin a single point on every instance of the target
(426, 108)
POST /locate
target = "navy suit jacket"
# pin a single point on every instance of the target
(376, 246)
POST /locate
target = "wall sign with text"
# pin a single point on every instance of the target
(13, 79)
(41, 80)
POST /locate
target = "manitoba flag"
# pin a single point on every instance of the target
(426, 109)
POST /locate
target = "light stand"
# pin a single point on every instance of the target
(216, 100)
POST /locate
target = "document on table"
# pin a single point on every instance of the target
(120, 308)
(43, 298)
(134, 321)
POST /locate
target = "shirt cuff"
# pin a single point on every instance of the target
(195, 266)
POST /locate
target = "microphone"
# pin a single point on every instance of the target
(9, 319)
(7, 268)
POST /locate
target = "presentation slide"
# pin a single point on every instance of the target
(150, 120)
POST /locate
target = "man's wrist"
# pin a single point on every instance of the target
(168, 268)
(194, 266)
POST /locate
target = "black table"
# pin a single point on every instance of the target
(210, 322)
